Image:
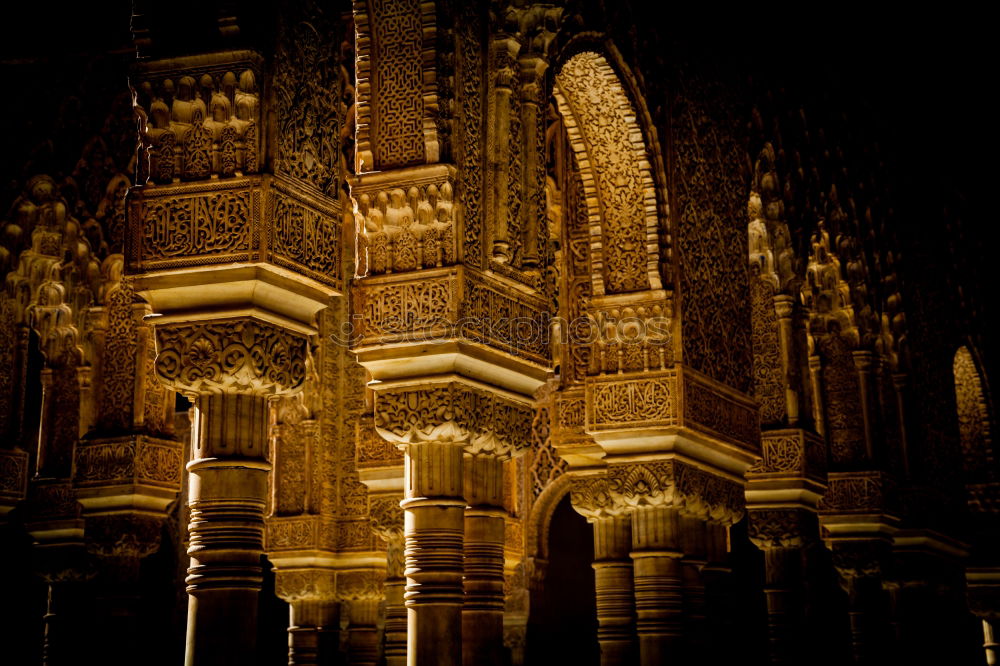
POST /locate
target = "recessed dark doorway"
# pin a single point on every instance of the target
(562, 626)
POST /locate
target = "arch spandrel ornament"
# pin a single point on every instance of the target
(979, 458)
(620, 192)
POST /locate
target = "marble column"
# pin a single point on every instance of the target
(434, 527)
(860, 572)
(656, 554)
(362, 632)
(482, 612)
(693, 543)
(504, 54)
(782, 534)
(394, 646)
(989, 643)
(387, 522)
(783, 572)
(313, 631)
(613, 575)
(227, 497)
(230, 368)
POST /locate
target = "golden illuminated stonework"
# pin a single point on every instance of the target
(449, 333)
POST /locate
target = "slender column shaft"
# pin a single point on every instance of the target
(395, 610)
(816, 383)
(116, 609)
(784, 305)
(51, 627)
(362, 643)
(899, 382)
(614, 590)
(532, 120)
(868, 627)
(719, 593)
(504, 51)
(783, 570)
(312, 630)
(434, 527)
(44, 424)
(228, 490)
(864, 362)
(482, 613)
(693, 540)
(62, 628)
(658, 586)
(990, 644)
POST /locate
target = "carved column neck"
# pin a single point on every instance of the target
(243, 355)
(231, 425)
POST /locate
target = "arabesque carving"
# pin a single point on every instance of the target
(979, 458)
(674, 484)
(311, 93)
(488, 422)
(293, 585)
(601, 123)
(629, 403)
(129, 460)
(239, 354)
(859, 492)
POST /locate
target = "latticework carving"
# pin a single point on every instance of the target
(768, 371)
(395, 46)
(708, 223)
(310, 94)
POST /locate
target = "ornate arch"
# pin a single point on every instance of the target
(974, 423)
(536, 540)
(620, 192)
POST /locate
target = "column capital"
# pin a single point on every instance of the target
(504, 52)
(591, 497)
(670, 483)
(360, 584)
(242, 354)
(481, 420)
(386, 516)
(781, 528)
(784, 305)
(313, 584)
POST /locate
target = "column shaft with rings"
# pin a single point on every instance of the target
(482, 613)
(230, 368)
(434, 528)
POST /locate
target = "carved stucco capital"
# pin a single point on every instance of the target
(242, 354)
(781, 528)
(592, 498)
(363, 584)
(483, 421)
(674, 484)
(665, 483)
(293, 585)
(124, 535)
(386, 516)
